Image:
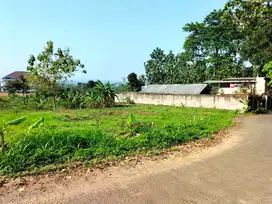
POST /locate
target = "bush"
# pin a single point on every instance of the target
(39, 101)
(4, 102)
(35, 101)
(72, 97)
(129, 101)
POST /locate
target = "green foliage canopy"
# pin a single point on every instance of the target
(225, 44)
(49, 68)
(18, 85)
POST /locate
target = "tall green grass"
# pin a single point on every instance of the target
(60, 141)
(55, 147)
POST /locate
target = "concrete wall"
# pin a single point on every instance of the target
(235, 90)
(260, 85)
(229, 102)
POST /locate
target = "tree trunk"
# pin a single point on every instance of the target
(53, 88)
(54, 103)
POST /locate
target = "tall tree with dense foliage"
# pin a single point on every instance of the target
(91, 84)
(170, 68)
(217, 47)
(173, 69)
(49, 68)
(133, 82)
(155, 67)
(142, 80)
(214, 44)
(254, 20)
(162, 68)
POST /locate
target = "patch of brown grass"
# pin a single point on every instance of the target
(3, 94)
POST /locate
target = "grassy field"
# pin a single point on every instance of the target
(89, 135)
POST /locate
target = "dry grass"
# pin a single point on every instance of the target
(6, 94)
(3, 94)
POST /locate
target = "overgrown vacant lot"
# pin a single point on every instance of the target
(92, 135)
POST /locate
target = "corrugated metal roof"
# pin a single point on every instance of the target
(175, 88)
(226, 82)
(240, 79)
(232, 80)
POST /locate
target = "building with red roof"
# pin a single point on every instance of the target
(14, 75)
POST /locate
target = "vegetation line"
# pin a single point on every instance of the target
(92, 135)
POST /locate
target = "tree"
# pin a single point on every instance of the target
(254, 20)
(18, 85)
(170, 68)
(183, 68)
(91, 84)
(103, 93)
(215, 44)
(219, 46)
(24, 84)
(73, 97)
(211, 51)
(162, 68)
(222, 46)
(49, 68)
(268, 70)
(142, 80)
(193, 44)
(133, 82)
(155, 67)
(12, 86)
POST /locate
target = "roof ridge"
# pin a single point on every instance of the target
(15, 74)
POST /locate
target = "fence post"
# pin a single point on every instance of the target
(266, 102)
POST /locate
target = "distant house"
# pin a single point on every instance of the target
(176, 89)
(14, 75)
(244, 85)
(11, 77)
(257, 85)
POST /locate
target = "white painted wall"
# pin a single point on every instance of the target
(229, 102)
(235, 90)
(260, 85)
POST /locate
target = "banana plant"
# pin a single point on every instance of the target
(73, 98)
(106, 93)
(246, 106)
(130, 120)
(92, 98)
(37, 124)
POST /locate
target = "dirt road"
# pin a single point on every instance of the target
(237, 171)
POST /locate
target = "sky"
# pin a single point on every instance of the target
(112, 38)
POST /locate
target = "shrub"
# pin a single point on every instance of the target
(129, 101)
(4, 102)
